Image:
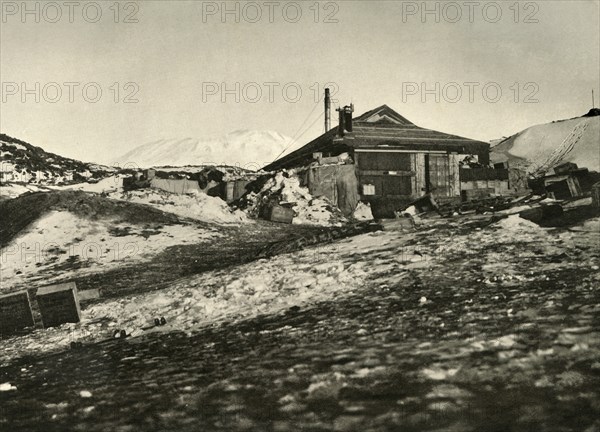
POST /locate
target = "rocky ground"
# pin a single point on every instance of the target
(464, 324)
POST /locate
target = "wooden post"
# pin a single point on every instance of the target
(327, 111)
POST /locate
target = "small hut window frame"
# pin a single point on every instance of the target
(368, 189)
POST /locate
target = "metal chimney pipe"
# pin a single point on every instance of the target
(342, 117)
(348, 110)
(327, 110)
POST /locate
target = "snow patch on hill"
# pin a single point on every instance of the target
(14, 190)
(536, 144)
(112, 183)
(62, 245)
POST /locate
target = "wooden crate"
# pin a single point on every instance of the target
(59, 304)
(476, 194)
(15, 312)
(281, 214)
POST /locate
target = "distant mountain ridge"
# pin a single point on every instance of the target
(250, 149)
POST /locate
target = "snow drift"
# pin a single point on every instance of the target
(536, 145)
(195, 205)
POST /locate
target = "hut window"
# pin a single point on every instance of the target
(368, 189)
(384, 161)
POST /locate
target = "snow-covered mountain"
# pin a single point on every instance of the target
(547, 145)
(21, 162)
(249, 149)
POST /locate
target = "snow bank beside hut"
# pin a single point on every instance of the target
(195, 205)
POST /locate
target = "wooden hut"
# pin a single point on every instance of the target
(395, 160)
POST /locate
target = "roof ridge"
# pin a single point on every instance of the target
(385, 108)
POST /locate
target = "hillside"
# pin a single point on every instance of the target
(126, 245)
(24, 163)
(243, 148)
(18, 213)
(543, 143)
(64, 234)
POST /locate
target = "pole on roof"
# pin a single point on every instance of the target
(593, 102)
(327, 111)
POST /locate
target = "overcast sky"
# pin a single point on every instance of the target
(180, 59)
